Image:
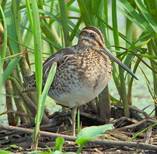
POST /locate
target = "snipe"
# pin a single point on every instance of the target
(83, 71)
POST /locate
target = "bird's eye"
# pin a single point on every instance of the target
(92, 35)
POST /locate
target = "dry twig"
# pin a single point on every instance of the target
(106, 143)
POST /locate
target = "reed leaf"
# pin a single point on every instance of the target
(3, 32)
(134, 16)
(64, 21)
(33, 13)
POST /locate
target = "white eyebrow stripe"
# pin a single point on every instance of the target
(92, 31)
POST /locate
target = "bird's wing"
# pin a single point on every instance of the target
(29, 81)
(58, 58)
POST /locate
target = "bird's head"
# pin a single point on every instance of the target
(91, 36)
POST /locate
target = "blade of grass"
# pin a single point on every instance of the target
(50, 36)
(122, 88)
(147, 15)
(33, 14)
(45, 91)
(134, 16)
(75, 30)
(11, 66)
(85, 13)
(151, 6)
(41, 103)
(64, 21)
(11, 28)
(4, 46)
(105, 29)
(37, 46)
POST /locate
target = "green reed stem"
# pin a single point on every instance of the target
(122, 87)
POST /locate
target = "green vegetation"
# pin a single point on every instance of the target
(90, 133)
(30, 31)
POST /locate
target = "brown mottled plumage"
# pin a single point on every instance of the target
(83, 71)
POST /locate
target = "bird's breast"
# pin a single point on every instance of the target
(80, 79)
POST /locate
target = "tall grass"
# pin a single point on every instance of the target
(143, 13)
(3, 46)
(33, 14)
(33, 28)
(121, 84)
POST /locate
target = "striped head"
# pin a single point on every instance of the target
(91, 36)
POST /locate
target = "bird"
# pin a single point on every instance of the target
(83, 71)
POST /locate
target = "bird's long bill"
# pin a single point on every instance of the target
(112, 57)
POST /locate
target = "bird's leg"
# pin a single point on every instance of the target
(73, 114)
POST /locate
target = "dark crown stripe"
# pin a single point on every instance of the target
(95, 30)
